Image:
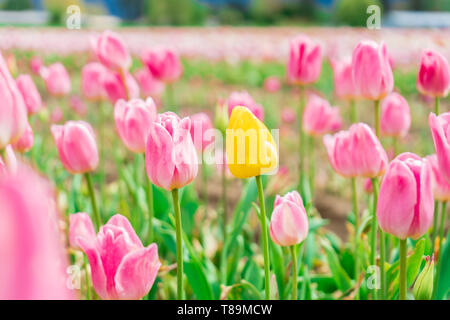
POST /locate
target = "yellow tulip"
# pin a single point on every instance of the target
(251, 149)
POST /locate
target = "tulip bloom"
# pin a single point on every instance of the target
(356, 152)
(395, 116)
(319, 117)
(36, 64)
(434, 74)
(13, 113)
(25, 143)
(149, 85)
(372, 73)
(272, 84)
(202, 130)
(76, 146)
(259, 155)
(92, 81)
(170, 155)
(133, 120)
(289, 221)
(163, 64)
(33, 258)
(116, 89)
(441, 188)
(244, 99)
(305, 61)
(57, 80)
(343, 79)
(111, 51)
(439, 126)
(122, 268)
(30, 93)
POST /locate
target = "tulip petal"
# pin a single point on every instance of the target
(120, 221)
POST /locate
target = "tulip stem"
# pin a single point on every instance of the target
(353, 114)
(356, 213)
(402, 294)
(395, 146)
(373, 231)
(97, 218)
(224, 193)
(150, 209)
(3, 155)
(435, 225)
(264, 236)
(441, 240)
(124, 82)
(294, 272)
(179, 240)
(204, 181)
(382, 262)
(377, 118)
(301, 138)
(86, 278)
(436, 105)
(312, 168)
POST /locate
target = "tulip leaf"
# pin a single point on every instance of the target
(342, 279)
(197, 280)
(443, 287)
(277, 261)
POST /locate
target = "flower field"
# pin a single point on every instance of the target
(224, 163)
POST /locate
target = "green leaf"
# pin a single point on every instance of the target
(197, 280)
(342, 279)
(277, 261)
(443, 287)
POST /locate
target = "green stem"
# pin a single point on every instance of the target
(224, 193)
(382, 262)
(373, 231)
(151, 209)
(265, 241)
(179, 240)
(97, 218)
(170, 96)
(402, 294)
(441, 242)
(395, 146)
(294, 272)
(353, 114)
(124, 82)
(435, 225)
(312, 168)
(204, 181)
(436, 106)
(301, 137)
(356, 238)
(377, 118)
(86, 278)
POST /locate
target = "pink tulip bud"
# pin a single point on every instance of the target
(80, 225)
(395, 116)
(91, 81)
(368, 187)
(10, 163)
(78, 105)
(272, 84)
(13, 113)
(25, 143)
(289, 221)
(288, 115)
(76, 146)
(164, 64)
(32, 254)
(441, 188)
(170, 155)
(305, 61)
(372, 73)
(440, 126)
(30, 93)
(319, 117)
(122, 268)
(405, 203)
(56, 79)
(244, 99)
(343, 79)
(434, 74)
(202, 131)
(150, 86)
(133, 120)
(356, 152)
(56, 115)
(111, 51)
(36, 64)
(115, 88)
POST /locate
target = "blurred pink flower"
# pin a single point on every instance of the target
(36, 64)
(441, 188)
(434, 74)
(111, 51)
(25, 143)
(202, 130)
(56, 79)
(244, 99)
(164, 64)
(78, 105)
(115, 88)
(305, 60)
(150, 86)
(343, 79)
(272, 84)
(288, 115)
(319, 117)
(395, 116)
(30, 93)
(91, 81)
(56, 115)
(440, 126)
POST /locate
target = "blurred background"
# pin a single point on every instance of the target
(396, 13)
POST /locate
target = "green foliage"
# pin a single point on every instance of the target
(57, 9)
(175, 12)
(353, 12)
(16, 5)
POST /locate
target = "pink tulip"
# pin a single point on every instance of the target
(92, 81)
(25, 143)
(133, 120)
(10, 163)
(319, 117)
(343, 79)
(368, 187)
(78, 105)
(288, 115)
(202, 130)
(434, 74)
(13, 113)
(289, 221)
(30, 93)
(244, 99)
(372, 73)
(405, 203)
(56, 79)
(395, 116)
(32, 254)
(150, 86)
(441, 188)
(170, 155)
(440, 126)
(115, 88)
(76, 146)
(56, 115)
(80, 225)
(164, 64)
(36, 64)
(272, 84)
(356, 152)
(305, 61)
(111, 51)
(122, 268)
